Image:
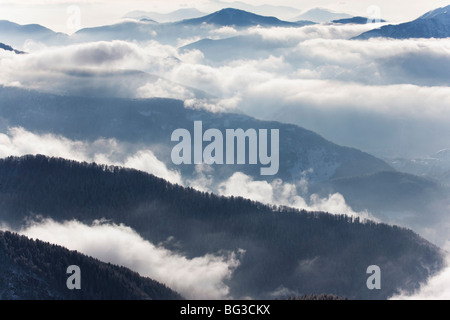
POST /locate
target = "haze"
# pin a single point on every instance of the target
(54, 13)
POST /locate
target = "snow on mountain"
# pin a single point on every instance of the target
(434, 24)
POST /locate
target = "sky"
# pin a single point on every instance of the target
(57, 14)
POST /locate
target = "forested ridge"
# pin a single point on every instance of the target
(304, 252)
(33, 269)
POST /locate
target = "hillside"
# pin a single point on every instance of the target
(35, 270)
(306, 253)
(9, 48)
(385, 191)
(434, 24)
(152, 121)
(15, 34)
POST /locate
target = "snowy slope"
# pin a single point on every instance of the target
(434, 24)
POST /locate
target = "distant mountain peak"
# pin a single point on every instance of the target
(237, 17)
(231, 10)
(231, 13)
(320, 15)
(433, 24)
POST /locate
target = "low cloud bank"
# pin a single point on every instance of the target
(197, 278)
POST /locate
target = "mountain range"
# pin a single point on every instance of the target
(277, 10)
(281, 248)
(237, 18)
(238, 47)
(172, 31)
(434, 24)
(152, 121)
(277, 251)
(16, 35)
(366, 182)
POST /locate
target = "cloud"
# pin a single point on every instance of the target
(230, 80)
(96, 54)
(398, 120)
(164, 89)
(378, 61)
(196, 278)
(203, 178)
(436, 288)
(314, 58)
(111, 69)
(242, 185)
(192, 56)
(390, 100)
(395, 82)
(225, 31)
(292, 36)
(286, 194)
(282, 293)
(145, 160)
(213, 105)
(387, 97)
(18, 141)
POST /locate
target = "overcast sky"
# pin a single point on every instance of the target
(54, 13)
